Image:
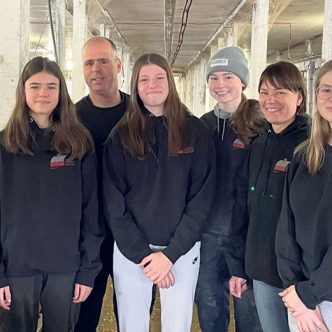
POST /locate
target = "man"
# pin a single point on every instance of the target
(100, 111)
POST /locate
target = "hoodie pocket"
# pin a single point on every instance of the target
(39, 247)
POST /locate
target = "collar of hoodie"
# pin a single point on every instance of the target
(221, 114)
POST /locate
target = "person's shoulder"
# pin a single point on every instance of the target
(125, 96)
(2, 134)
(114, 136)
(83, 104)
(303, 121)
(198, 125)
(194, 120)
(259, 144)
(124, 99)
(208, 116)
(83, 100)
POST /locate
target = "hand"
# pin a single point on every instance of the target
(81, 293)
(307, 320)
(237, 286)
(5, 298)
(310, 320)
(291, 300)
(156, 266)
(168, 281)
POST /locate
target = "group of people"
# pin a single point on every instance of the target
(138, 188)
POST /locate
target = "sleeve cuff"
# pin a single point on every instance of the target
(3, 280)
(304, 291)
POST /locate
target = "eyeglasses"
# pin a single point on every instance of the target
(324, 92)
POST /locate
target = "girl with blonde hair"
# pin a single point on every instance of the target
(304, 233)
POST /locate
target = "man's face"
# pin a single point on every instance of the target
(100, 67)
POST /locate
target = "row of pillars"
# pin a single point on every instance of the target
(15, 47)
(14, 52)
(193, 86)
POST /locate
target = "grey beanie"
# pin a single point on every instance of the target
(230, 59)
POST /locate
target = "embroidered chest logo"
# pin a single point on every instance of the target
(186, 150)
(238, 144)
(59, 161)
(281, 165)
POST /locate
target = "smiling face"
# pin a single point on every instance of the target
(324, 97)
(152, 88)
(100, 67)
(278, 105)
(42, 96)
(226, 88)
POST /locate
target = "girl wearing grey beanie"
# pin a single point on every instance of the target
(234, 123)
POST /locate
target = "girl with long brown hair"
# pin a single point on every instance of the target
(158, 180)
(50, 236)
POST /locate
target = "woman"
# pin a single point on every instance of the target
(234, 123)
(158, 175)
(304, 233)
(50, 236)
(282, 100)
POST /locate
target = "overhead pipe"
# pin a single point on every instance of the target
(107, 14)
(215, 35)
(168, 26)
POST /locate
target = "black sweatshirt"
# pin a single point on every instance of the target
(49, 214)
(100, 121)
(269, 159)
(304, 233)
(229, 206)
(159, 200)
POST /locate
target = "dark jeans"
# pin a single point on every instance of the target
(54, 293)
(212, 293)
(91, 308)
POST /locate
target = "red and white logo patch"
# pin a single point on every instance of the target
(59, 161)
(238, 144)
(281, 165)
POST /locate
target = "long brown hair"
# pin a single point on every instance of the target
(247, 122)
(133, 126)
(313, 148)
(70, 136)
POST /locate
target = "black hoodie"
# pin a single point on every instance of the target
(269, 160)
(49, 213)
(229, 207)
(161, 200)
(304, 233)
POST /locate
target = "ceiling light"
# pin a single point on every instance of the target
(308, 48)
(278, 56)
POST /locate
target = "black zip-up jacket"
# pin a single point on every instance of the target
(269, 159)
(229, 206)
(161, 200)
(49, 213)
(304, 232)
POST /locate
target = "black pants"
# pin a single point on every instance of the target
(53, 292)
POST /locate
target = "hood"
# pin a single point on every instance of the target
(301, 122)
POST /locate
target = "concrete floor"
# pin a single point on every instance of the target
(107, 320)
